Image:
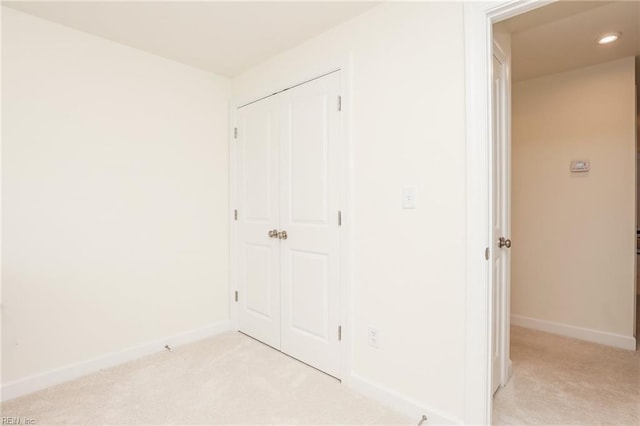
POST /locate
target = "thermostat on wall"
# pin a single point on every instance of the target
(578, 166)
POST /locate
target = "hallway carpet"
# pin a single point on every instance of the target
(227, 379)
(557, 380)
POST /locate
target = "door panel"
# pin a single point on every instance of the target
(259, 159)
(258, 212)
(309, 200)
(309, 303)
(307, 147)
(258, 262)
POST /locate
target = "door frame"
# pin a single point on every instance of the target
(345, 169)
(478, 20)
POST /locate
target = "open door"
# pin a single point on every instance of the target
(501, 222)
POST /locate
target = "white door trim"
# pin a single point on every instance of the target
(478, 20)
(342, 64)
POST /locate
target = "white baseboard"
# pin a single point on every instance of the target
(595, 336)
(37, 382)
(399, 402)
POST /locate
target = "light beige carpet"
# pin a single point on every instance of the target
(557, 380)
(227, 379)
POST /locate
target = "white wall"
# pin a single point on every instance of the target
(115, 192)
(574, 234)
(408, 128)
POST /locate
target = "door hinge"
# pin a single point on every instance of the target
(339, 103)
(339, 333)
(235, 215)
(236, 295)
(235, 133)
(486, 253)
(339, 218)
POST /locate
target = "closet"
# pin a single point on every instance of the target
(289, 221)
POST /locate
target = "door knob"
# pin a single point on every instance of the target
(282, 235)
(273, 233)
(504, 242)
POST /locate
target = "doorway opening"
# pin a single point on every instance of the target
(563, 187)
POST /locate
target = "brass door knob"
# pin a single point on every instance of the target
(504, 242)
(273, 233)
(282, 235)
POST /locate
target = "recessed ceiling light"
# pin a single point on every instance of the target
(608, 38)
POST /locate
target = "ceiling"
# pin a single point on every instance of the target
(226, 38)
(561, 36)
(230, 37)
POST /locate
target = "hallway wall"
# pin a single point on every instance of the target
(574, 239)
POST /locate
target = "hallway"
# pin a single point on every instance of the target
(558, 380)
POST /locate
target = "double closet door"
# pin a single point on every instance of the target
(289, 221)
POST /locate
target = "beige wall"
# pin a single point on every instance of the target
(114, 175)
(408, 120)
(574, 233)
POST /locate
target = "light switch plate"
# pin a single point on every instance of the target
(374, 336)
(409, 197)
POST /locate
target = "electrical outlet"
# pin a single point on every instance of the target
(374, 336)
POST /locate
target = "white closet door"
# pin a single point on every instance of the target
(258, 212)
(309, 205)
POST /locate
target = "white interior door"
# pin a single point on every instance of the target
(258, 213)
(288, 181)
(309, 209)
(500, 252)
